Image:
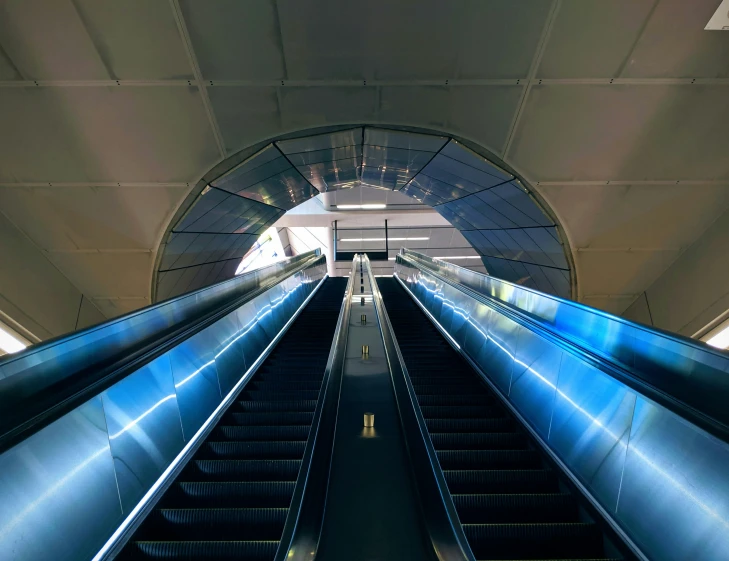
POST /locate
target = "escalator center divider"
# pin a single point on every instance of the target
(509, 501)
(232, 498)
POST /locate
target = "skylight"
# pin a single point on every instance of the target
(267, 250)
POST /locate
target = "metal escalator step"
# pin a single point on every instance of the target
(534, 541)
(283, 418)
(283, 395)
(203, 550)
(428, 389)
(498, 424)
(267, 432)
(229, 494)
(489, 459)
(299, 405)
(457, 400)
(475, 481)
(296, 385)
(241, 470)
(277, 450)
(496, 508)
(215, 524)
(478, 440)
(466, 412)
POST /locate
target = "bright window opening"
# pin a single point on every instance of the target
(721, 339)
(267, 250)
(9, 342)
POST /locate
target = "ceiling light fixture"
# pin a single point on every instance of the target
(383, 239)
(362, 207)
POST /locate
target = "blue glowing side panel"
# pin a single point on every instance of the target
(661, 479)
(58, 489)
(145, 433)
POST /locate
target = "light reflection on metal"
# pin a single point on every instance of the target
(589, 431)
(103, 462)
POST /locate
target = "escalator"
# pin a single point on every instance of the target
(510, 502)
(232, 499)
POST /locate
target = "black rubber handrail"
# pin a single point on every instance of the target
(302, 530)
(700, 405)
(51, 385)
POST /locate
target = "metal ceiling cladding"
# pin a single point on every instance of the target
(71, 484)
(492, 208)
(646, 461)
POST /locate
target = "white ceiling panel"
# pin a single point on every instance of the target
(90, 40)
(484, 113)
(642, 216)
(674, 43)
(411, 39)
(108, 134)
(235, 40)
(310, 107)
(67, 218)
(593, 38)
(107, 274)
(622, 273)
(245, 115)
(612, 304)
(616, 132)
(112, 308)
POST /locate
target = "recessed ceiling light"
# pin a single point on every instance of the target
(363, 207)
(383, 239)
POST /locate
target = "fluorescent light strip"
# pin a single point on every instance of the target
(720, 340)
(383, 239)
(446, 258)
(201, 433)
(363, 207)
(9, 343)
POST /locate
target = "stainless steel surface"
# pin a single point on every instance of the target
(658, 478)
(48, 379)
(196, 379)
(59, 494)
(373, 509)
(145, 431)
(680, 370)
(675, 493)
(590, 426)
(67, 488)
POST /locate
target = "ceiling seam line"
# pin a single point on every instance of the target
(42, 251)
(247, 198)
(536, 61)
(522, 262)
(464, 196)
(423, 167)
(275, 144)
(187, 43)
(200, 264)
(142, 83)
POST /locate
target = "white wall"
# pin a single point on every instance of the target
(694, 291)
(35, 298)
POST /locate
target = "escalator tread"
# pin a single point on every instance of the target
(232, 498)
(509, 502)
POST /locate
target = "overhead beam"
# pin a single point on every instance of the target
(182, 28)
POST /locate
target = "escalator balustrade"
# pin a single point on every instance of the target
(232, 498)
(509, 501)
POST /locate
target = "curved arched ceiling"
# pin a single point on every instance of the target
(491, 207)
(112, 112)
